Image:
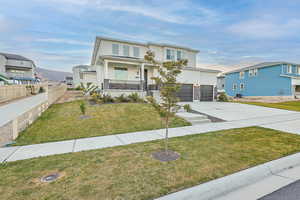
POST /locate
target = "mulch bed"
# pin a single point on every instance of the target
(166, 156)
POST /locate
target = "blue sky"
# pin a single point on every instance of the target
(58, 34)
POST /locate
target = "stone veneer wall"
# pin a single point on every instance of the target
(11, 130)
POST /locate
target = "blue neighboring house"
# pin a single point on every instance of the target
(264, 79)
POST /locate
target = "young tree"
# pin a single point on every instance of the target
(168, 86)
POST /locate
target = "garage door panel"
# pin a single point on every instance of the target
(206, 92)
(186, 92)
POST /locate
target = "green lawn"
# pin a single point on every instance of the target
(129, 172)
(290, 105)
(61, 122)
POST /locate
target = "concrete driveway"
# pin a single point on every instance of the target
(237, 111)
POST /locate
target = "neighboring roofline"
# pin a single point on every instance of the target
(18, 57)
(201, 69)
(260, 65)
(99, 38)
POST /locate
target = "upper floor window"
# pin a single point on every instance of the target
(298, 70)
(125, 50)
(179, 55)
(170, 54)
(289, 69)
(234, 87)
(115, 49)
(253, 72)
(136, 52)
(242, 75)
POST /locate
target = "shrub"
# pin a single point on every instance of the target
(223, 97)
(134, 97)
(106, 98)
(41, 90)
(78, 88)
(82, 108)
(122, 99)
(187, 108)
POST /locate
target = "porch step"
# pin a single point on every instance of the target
(194, 118)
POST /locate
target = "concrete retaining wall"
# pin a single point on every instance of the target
(10, 130)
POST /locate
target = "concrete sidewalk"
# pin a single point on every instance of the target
(37, 150)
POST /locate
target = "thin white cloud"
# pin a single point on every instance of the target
(64, 41)
(178, 12)
(266, 28)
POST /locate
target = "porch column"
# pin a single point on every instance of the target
(105, 69)
(142, 76)
(105, 81)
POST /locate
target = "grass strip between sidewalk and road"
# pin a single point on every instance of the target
(129, 172)
(289, 105)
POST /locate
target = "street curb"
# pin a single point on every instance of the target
(218, 187)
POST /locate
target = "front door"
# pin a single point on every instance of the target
(145, 79)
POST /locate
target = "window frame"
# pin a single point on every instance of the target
(120, 69)
(234, 87)
(289, 69)
(126, 49)
(172, 54)
(115, 47)
(242, 88)
(180, 53)
(136, 52)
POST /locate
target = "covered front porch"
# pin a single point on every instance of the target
(126, 75)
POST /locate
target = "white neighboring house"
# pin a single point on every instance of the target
(17, 69)
(84, 74)
(121, 69)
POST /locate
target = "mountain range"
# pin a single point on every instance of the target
(51, 75)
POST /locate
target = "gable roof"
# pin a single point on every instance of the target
(260, 65)
(14, 57)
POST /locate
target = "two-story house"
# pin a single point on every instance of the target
(265, 79)
(84, 74)
(121, 69)
(17, 68)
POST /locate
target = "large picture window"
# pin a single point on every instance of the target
(121, 73)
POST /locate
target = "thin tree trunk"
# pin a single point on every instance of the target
(167, 135)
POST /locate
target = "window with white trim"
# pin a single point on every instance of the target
(125, 50)
(179, 55)
(289, 69)
(170, 55)
(234, 87)
(115, 49)
(250, 72)
(255, 72)
(121, 73)
(242, 75)
(242, 86)
(136, 52)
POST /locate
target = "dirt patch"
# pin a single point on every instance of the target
(166, 156)
(71, 95)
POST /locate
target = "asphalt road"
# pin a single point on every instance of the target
(289, 192)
